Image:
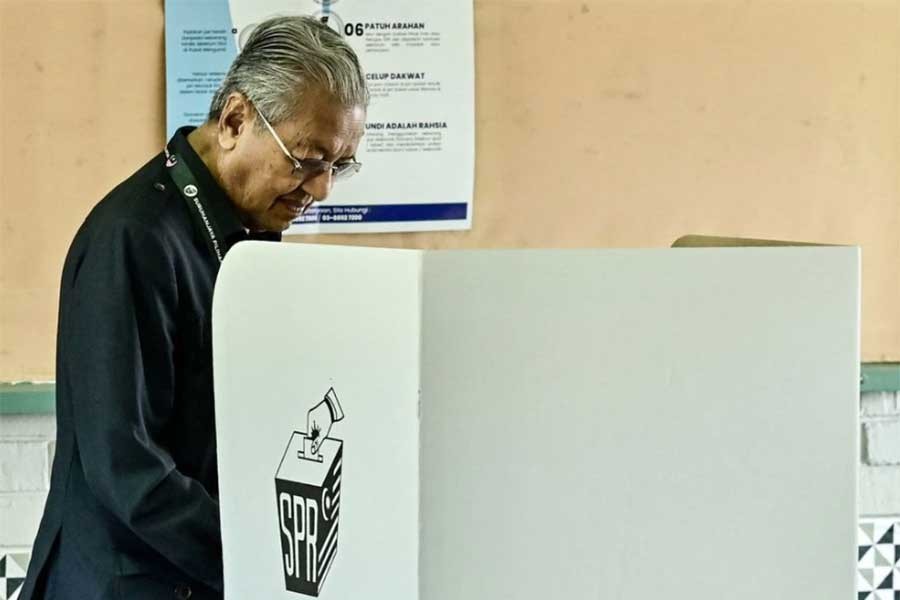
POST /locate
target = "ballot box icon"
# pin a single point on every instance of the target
(308, 495)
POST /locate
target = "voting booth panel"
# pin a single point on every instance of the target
(538, 424)
(291, 326)
(638, 425)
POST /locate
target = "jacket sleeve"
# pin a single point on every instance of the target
(122, 379)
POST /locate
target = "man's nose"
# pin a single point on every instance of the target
(319, 187)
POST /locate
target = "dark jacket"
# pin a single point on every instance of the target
(132, 511)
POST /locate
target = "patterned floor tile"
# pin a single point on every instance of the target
(878, 570)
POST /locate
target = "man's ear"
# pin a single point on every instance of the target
(234, 120)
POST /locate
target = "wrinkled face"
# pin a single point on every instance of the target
(257, 175)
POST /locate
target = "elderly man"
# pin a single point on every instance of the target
(133, 505)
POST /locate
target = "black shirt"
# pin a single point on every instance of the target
(133, 493)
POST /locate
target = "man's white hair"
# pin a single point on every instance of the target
(286, 56)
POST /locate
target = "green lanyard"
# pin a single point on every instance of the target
(197, 207)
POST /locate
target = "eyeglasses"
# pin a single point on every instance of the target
(309, 168)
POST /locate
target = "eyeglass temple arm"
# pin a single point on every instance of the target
(275, 135)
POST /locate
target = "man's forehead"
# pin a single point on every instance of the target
(329, 128)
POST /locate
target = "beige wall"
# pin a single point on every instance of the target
(599, 123)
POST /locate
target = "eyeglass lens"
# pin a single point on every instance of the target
(311, 167)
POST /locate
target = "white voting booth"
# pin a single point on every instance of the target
(567, 424)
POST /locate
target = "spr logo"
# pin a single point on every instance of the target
(308, 495)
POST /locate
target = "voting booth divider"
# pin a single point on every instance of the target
(532, 424)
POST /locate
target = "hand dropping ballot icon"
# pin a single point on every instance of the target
(308, 493)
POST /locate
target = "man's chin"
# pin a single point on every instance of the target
(271, 226)
(276, 224)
